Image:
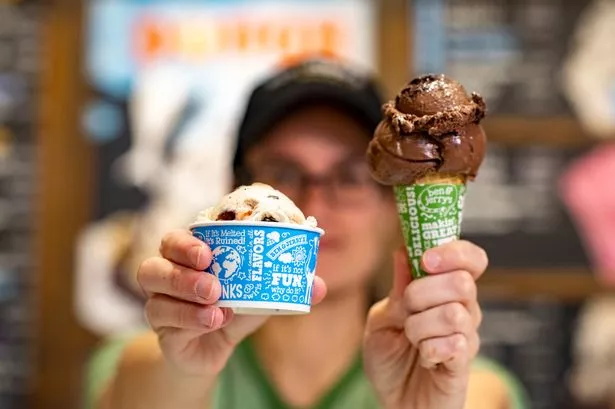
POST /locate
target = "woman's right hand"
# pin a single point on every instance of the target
(195, 336)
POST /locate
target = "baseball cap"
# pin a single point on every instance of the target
(306, 82)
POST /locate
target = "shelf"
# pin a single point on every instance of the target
(566, 285)
(558, 131)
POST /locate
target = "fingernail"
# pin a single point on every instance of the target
(195, 255)
(203, 290)
(431, 260)
(208, 317)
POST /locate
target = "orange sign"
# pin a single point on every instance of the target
(198, 39)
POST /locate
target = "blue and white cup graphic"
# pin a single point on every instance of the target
(264, 268)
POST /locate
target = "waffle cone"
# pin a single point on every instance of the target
(437, 178)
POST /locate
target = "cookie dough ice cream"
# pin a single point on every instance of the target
(257, 202)
(427, 146)
(264, 251)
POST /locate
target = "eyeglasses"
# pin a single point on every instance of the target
(348, 184)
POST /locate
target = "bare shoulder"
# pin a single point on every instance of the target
(142, 348)
(487, 390)
(112, 355)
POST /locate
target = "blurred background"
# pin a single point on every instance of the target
(94, 167)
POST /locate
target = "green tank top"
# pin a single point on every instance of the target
(244, 385)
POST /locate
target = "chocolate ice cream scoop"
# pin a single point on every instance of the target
(432, 127)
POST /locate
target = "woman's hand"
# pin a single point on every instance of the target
(420, 341)
(195, 336)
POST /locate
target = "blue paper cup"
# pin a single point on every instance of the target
(264, 268)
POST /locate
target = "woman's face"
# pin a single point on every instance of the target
(326, 148)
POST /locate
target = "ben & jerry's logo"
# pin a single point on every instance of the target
(438, 199)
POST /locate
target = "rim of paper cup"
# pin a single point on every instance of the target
(250, 223)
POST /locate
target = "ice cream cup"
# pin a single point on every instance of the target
(264, 268)
(430, 212)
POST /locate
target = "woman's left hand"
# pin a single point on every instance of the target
(420, 341)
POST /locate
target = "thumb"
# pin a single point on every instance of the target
(390, 312)
(401, 274)
(319, 290)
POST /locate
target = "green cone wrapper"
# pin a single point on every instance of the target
(430, 212)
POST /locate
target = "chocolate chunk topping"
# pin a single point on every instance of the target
(227, 215)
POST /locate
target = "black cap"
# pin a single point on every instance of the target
(308, 82)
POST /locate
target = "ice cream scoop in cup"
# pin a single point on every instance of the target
(264, 251)
(428, 145)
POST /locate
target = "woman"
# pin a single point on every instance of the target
(305, 132)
